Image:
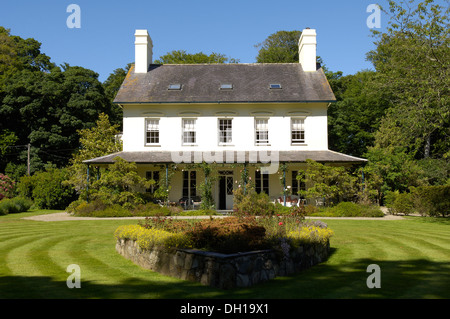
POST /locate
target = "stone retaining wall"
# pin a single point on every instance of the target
(223, 271)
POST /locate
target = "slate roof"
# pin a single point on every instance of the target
(201, 84)
(161, 157)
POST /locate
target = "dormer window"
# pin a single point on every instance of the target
(226, 86)
(275, 86)
(174, 87)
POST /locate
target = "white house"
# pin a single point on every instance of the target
(253, 117)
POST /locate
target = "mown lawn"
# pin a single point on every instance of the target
(413, 255)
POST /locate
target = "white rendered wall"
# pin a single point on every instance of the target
(207, 115)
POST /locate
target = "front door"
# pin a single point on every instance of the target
(226, 191)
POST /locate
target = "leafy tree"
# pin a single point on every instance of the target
(94, 142)
(398, 170)
(182, 57)
(330, 183)
(43, 104)
(412, 62)
(279, 47)
(355, 118)
(111, 87)
(119, 184)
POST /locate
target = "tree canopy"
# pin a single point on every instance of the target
(182, 57)
(279, 47)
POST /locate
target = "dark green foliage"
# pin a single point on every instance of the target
(432, 200)
(47, 189)
(182, 57)
(251, 203)
(15, 205)
(279, 47)
(349, 209)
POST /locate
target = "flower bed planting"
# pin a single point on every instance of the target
(226, 253)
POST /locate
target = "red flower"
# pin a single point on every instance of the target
(280, 223)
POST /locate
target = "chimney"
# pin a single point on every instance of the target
(143, 53)
(307, 50)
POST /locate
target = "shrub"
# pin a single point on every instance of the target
(228, 235)
(399, 203)
(149, 238)
(7, 186)
(310, 234)
(47, 189)
(252, 203)
(349, 209)
(14, 205)
(432, 200)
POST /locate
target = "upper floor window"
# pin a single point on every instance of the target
(297, 131)
(225, 131)
(261, 131)
(189, 133)
(152, 131)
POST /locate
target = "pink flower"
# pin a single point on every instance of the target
(280, 223)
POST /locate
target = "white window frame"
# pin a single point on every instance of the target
(229, 132)
(193, 129)
(155, 128)
(259, 142)
(300, 128)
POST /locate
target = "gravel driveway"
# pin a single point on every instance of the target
(65, 216)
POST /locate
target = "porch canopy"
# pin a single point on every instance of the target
(228, 157)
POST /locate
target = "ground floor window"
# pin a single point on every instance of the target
(189, 183)
(296, 184)
(261, 182)
(152, 175)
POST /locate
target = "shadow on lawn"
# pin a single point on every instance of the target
(399, 279)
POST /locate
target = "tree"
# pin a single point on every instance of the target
(44, 104)
(330, 183)
(355, 118)
(412, 62)
(279, 47)
(182, 57)
(111, 87)
(95, 142)
(119, 183)
(397, 169)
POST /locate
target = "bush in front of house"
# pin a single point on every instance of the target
(251, 203)
(47, 189)
(349, 209)
(425, 200)
(100, 208)
(14, 205)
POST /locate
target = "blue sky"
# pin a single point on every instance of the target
(105, 40)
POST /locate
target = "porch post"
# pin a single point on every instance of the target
(167, 183)
(284, 184)
(245, 181)
(87, 185)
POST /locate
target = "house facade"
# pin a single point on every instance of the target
(261, 119)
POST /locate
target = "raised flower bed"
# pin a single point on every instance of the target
(226, 253)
